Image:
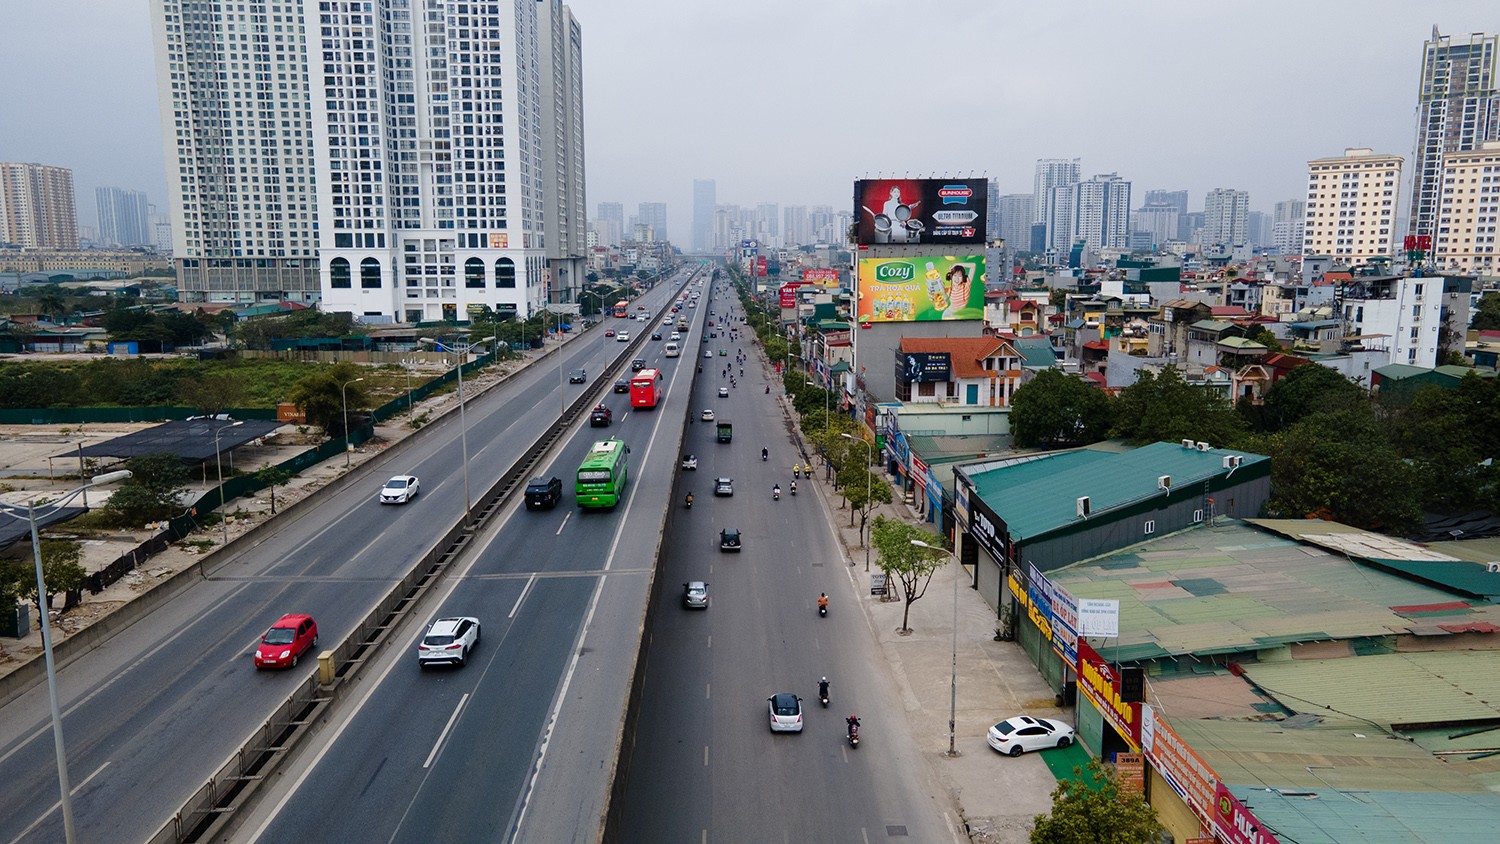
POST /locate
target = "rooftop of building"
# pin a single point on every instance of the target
(1038, 493)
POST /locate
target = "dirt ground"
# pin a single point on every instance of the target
(41, 462)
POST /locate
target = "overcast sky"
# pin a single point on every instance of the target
(789, 101)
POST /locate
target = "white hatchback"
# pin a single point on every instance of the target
(449, 640)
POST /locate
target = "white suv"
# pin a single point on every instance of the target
(448, 640)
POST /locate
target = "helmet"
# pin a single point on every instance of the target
(825, 679)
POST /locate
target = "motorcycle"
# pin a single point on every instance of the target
(794, 487)
(776, 494)
(853, 735)
(689, 502)
(823, 694)
(765, 455)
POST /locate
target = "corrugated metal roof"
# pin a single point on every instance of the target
(1041, 495)
(1461, 567)
(1236, 587)
(1396, 371)
(1390, 689)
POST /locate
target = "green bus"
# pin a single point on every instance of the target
(603, 474)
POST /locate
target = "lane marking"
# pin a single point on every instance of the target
(710, 641)
(705, 756)
(438, 745)
(55, 806)
(566, 516)
(707, 691)
(521, 597)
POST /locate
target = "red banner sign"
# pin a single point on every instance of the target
(1100, 684)
(1183, 769)
(1236, 824)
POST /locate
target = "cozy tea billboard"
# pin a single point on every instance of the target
(929, 287)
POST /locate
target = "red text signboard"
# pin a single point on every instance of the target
(1099, 683)
(1236, 824)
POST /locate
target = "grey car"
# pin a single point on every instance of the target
(695, 595)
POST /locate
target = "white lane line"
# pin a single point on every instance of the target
(710, 641)
(865, 833)
(707, 691)
(705, 756)
(438, 745)
(566, 516)
(521, 597)
(55, 806)
(704, 837)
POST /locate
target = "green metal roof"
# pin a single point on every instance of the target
(1237, 587)
(1036, 352)
(1459, 567)
(1397, 371)
(1040, 495)
(1445, 687)
(1242, 343)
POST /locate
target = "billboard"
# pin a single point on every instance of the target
(918, 367)
(827, 278)
(789, 295)
(920, 210)
(926, 287)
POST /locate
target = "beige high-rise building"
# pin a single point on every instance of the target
(1468, 205)
(1351, 205)
(37, 209)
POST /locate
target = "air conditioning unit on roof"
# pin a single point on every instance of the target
(1083, 507)
(1187, 443)
(1203, 446)
(1164, 482)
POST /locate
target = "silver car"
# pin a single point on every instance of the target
(695, 595)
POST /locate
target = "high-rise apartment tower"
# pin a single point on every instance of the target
(1458, 106)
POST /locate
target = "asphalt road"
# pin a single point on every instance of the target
(468, 754)
(149, 715)
(705, 766)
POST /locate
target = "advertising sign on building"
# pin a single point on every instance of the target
(760, 265)
(789, 295)
(922, 367)
(1171, 757)
(1098, 682)
(836, 338)
(1099, 617)
(926, 287)
(827, 278)
(920, 210)
(1130, 768)
(1235, 823)
(1058, 612)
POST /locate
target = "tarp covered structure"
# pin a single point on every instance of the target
(190, 439)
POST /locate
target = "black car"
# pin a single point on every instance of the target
(622, 386)
(656, 335)
(638, 364)
(601, 416)
(577, 376)
(729, 540)
(543, 492)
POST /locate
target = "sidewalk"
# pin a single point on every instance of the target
(997, 795)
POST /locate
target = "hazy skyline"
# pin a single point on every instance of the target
(790, 102)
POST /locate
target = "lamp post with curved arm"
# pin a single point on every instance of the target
(41, 591)
(344, 400)
(463, 350)
(218, 461)
(953, 689)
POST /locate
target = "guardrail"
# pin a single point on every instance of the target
(213, 805)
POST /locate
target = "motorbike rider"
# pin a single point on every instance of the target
(823, 689)
(853, 722)
(765, 452)
(776, 491)
(794, 487)
(689, 499)
(822, 600)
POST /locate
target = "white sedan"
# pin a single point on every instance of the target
(723, 392)
(400, 489)
(708, 416)
(1022, 733)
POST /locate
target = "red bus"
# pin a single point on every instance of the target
(645, 388)
(621, 309)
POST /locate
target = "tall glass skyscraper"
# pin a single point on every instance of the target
(1458, 106)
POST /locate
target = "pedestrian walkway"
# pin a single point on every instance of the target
(998, 796)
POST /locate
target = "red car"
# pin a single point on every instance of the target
(609, 332)
(287, 640)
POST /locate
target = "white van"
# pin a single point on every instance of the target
(673, 350)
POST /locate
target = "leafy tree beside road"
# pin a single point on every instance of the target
(911, 565)
(151, 493)
(1091, 809)
(319, 396)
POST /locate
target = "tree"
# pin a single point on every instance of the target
(1165, 408)
(319, 396)
(51, 301)
(211, 395)
(1342, 465)
(1056, 409)
(273, 476)
(1487, 315)
(911, 564)
(864, 495)
(1094, 811)
(150, 493)
(1307, 390)
(61, 572)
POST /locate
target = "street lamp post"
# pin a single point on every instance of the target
(953, 688)
(219, 461)
(344, 399)
(868, 476)
(463, 425)
(41, 591)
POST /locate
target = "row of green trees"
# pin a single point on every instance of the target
(1373, 462)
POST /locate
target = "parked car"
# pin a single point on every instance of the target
(1022, 733)
(288, 639)
(448, 640)
(543, 492)
(786, 712)
(577, 376)
(690, 461)
(400, 489)
(729, 540)
(723, 486)
(695, 595)
(600, 416)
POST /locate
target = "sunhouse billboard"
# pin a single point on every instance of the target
(907, 211)
(921, 288)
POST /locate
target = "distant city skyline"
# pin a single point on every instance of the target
(761, 145)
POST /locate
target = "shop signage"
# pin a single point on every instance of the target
(1171, 757)
(1236, 824)
(1098, 682)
